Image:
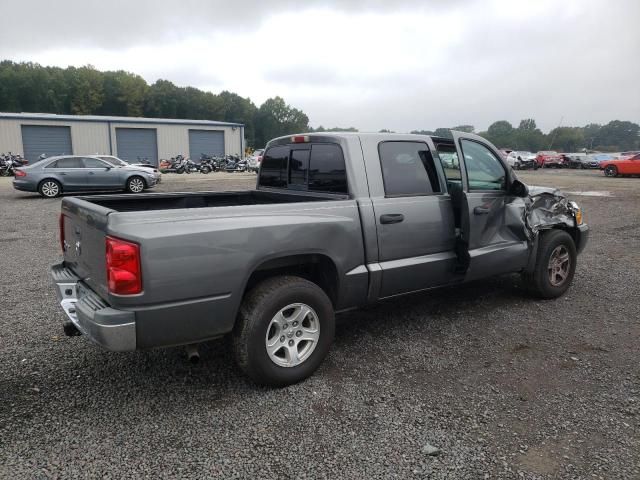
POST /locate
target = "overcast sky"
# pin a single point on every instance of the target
(399, 65)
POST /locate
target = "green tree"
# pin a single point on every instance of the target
(124, 94)
(162, 100)
(86, 92)
(500, 133)
(566, 139)
(275, 118)
(619, 135)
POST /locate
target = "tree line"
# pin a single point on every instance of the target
(614, 136)
(29, 87)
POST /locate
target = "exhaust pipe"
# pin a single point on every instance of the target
(192, 353)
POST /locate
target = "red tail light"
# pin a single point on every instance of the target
(20, 173)
(300, 139)
(124, 275)
(61, 229)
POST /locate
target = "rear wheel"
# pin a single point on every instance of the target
(611, 171)
(555, 265)
(284, 330)
(50, 188)
(135, 185)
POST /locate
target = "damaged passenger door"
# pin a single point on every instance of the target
(493, 230)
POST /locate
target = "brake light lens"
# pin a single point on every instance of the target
(300, 139)
(20, 173)
(61, 230)
(124, 275)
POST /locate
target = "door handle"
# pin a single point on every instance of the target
(91, 173)
(62, 173)
(481, 210)
(391, 218)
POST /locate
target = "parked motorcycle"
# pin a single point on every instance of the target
(9, 162)
(177, 164)
(235, 164)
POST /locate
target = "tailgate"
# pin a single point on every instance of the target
(85, 227)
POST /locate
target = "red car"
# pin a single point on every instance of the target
(549, 158)
(623, 166)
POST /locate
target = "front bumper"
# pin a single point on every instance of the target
(582, 237)
(110, 328)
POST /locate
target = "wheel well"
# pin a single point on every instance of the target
(137, 176)
(316, 268)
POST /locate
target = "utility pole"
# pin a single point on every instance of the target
(556, 133)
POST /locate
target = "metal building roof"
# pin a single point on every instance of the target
(105, 118)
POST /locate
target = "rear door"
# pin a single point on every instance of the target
(100, 175)
(414, 217)
(492, 226)
(71, 172)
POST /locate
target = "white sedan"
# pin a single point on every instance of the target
(522, 159)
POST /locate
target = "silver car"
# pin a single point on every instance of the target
(72, 173)
(118, 162)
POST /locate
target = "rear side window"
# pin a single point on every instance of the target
(313, 167)
(273, 172)
(66, 163)
(327, 172)
(408, 169)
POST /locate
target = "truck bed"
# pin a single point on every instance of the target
(172, 201)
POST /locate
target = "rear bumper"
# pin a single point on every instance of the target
(112, 329)
(24, 186)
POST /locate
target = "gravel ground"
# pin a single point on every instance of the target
(501, 385)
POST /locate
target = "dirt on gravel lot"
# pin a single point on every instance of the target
(505, 386)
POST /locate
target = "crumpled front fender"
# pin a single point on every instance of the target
(548, 208)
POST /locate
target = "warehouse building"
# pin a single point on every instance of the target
(130, 138)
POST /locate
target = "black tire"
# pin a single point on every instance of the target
(611, 171)
(258, 309)
(50, 188)
(538, 282)
(135, 184)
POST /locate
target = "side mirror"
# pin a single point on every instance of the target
(518, 189)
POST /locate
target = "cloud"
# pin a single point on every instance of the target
(398, 65)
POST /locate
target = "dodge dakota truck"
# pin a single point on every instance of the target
(336, 221)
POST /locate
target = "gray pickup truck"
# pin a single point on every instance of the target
(337, 221)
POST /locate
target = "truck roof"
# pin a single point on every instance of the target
(374, 135)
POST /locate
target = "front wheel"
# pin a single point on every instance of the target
(611, 171)
(135, 185)
(555, 265)
(284, 330)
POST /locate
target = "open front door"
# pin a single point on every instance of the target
(492, 227)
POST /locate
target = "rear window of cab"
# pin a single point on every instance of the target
(316, 167)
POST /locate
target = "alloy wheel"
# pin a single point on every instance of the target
(559, 265)
(292, 335)
(50, 189)
(136, 185)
